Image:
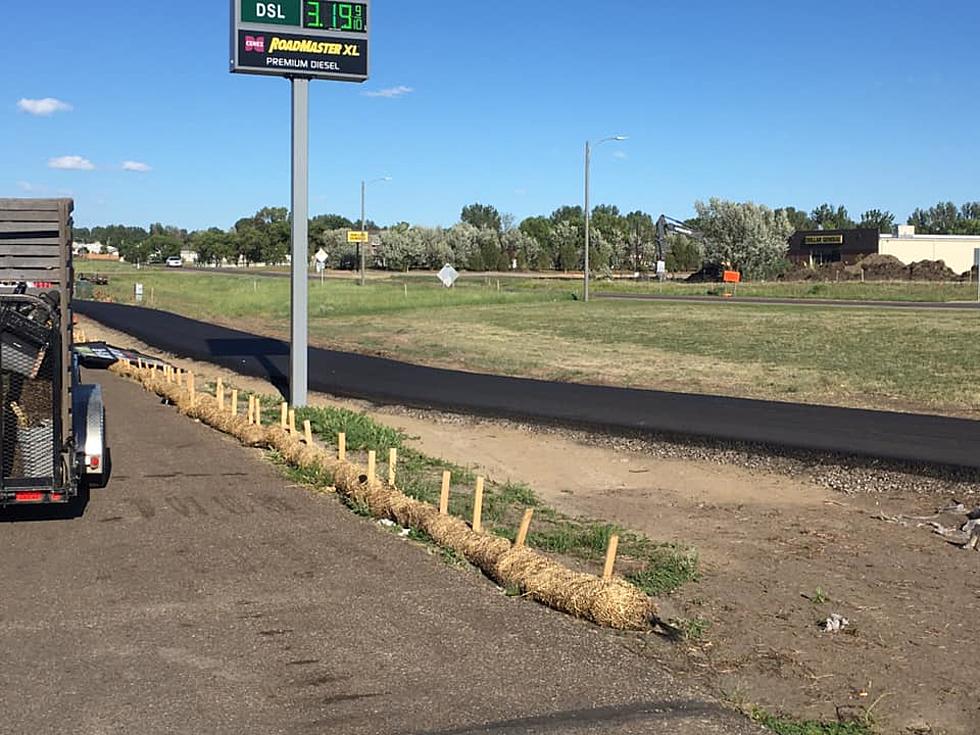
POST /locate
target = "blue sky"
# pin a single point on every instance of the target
(869, 104)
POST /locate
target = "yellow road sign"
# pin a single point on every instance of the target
(358, 237)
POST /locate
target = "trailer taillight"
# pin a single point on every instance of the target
(41, 284)
(28, 497)
(94, 462)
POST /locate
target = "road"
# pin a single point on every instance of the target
(201, 593)
(839, 303)
(917, 439)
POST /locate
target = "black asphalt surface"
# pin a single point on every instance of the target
(837, 303)
(202, 594)
(919, 439)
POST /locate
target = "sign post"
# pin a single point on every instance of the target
(300, 40)
(976, 264)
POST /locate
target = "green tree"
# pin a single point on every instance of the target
(491, 256)
(684, 254)
(567, 242)
(574, 215)
(158, 247)
(829, 217)
(798, 219)
(212, 246)
(947, 219)
(876, 219)
(748, 237)
(461, 239)
(482, 216)
(540, 230)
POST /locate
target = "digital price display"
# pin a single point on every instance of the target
(334, 16)
(318, 39)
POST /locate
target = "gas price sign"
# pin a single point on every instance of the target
(316, 39)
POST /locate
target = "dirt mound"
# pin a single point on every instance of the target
(709, 273)
(931, 270)
(876, 267)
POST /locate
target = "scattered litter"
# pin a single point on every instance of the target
(402, 532)
(836, 623)
(966, 536)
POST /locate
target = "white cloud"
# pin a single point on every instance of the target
(28, 187)
(43, 108)
(71, 163)
(137, 166)
(621, 155)
(391, 92)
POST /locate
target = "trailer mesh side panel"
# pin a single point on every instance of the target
(35, 339)
(29, 411)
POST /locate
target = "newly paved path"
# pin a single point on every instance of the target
(199, 593)
(837, 303)
(895, 436)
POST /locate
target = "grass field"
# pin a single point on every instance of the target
(850, 291)
(917, 360)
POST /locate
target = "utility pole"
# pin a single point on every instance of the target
(588, 213)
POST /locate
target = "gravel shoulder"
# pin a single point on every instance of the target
(201, 593)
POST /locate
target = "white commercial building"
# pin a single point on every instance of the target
(955, 250)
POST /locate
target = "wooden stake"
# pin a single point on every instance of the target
(478, 506)
(341, 447)
(251, 410)
(525, 527)
(292, 421)
(447, 479)
(192, 387)
(284, 419)
(392, 465)
(372, 466)
(308, 433)
(258, 411)
(234, 401)
(607, 573)
(219, 393)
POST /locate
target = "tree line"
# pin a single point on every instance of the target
(748, 236)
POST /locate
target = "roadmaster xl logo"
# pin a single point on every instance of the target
(306, 46)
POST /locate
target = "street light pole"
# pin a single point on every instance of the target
(588, 213)
(361, 246)
(588, 166)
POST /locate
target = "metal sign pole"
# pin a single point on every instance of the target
(976, 264)
(298, 348)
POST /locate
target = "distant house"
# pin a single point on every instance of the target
(189, 256)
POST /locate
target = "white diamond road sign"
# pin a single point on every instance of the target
(448, 276)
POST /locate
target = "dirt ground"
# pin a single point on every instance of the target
(779, 553)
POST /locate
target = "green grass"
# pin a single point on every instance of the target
(658, 569)
(868, 358)
(848, 291)
(790, 726)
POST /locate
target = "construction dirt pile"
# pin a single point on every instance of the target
(876, 267)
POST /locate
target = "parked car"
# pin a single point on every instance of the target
(175, 262)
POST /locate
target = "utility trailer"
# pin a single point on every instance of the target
(52, 432)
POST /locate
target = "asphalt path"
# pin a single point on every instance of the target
(201, 593)
(840, 303)
(920, 439)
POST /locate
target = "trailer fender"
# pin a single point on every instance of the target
(90, 435)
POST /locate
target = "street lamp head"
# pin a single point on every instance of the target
(621, 137)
